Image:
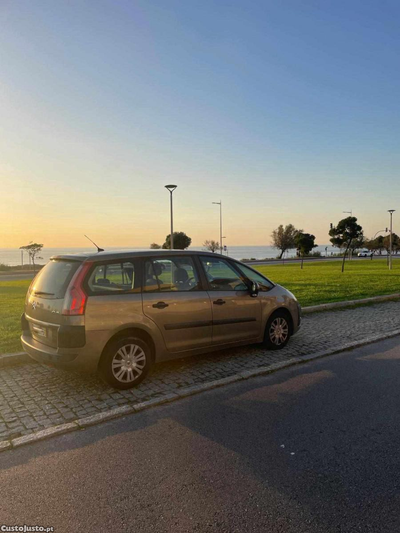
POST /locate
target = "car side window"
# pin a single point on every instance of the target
(264, 284)
(167, 274)
(113, 277)
(221, 275)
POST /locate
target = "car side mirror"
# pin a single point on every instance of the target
(254, 289)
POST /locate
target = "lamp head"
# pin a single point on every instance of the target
(391, 210)
(171, 188)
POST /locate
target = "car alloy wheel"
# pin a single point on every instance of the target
(125, 362)
(128, 363)
(279, 331)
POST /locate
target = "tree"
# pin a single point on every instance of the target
(305, 242)
(33, 248)
(375, 245)
(357, 244)
(345, 233)
(395, 243)
(181, 241)
(211, 246)
(284, 238)
(155, 246)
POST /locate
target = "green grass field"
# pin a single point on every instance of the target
(317, 283)
(324, 282)
(12, 297)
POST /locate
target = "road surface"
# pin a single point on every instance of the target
(14, 277)
(312, 260)
(310, 449)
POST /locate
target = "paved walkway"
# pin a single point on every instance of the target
(35, 397)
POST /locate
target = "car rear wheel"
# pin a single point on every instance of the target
(277, 331)
(125, 362)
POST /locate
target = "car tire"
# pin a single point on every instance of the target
(126, 362)
(277, 331)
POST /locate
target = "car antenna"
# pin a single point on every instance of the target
(98, 248)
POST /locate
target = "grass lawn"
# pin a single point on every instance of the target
(317, 283)
(324, 282)
(12, 297)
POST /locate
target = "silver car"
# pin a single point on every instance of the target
(120, 312)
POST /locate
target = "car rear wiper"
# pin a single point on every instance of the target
(44, 293)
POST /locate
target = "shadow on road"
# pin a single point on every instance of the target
(322, 438)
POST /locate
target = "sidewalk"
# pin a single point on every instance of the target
(35, 397)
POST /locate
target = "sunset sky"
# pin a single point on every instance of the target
(288, 111)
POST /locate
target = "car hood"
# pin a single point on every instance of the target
(286, 292)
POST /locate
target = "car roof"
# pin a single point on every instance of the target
(126, 254)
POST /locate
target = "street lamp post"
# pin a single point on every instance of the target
(391, 211)
(224, 247)
(220, 225)
(171, 189)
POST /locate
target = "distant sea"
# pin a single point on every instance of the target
(12, 256)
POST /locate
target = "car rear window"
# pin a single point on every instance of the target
(53, 280)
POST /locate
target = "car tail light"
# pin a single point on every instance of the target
(75, 297)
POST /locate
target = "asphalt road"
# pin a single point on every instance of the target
(14, 277)
(312, 260)
(314, 448)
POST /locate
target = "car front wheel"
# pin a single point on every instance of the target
(277, 331)
(125, 362)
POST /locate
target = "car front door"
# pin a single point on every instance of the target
(175, 300)
(236, 314)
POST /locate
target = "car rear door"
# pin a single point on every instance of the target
(174, 298)
(236, 314)
(114, 290)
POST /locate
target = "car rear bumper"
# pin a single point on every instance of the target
(63, 358)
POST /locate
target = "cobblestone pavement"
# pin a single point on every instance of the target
(34, 397)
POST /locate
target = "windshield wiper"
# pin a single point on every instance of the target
(44, 293)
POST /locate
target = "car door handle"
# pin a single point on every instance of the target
(160, 305)
(219, 302)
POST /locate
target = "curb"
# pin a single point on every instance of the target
(10, 359)
(350, 303)
(98, 418)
